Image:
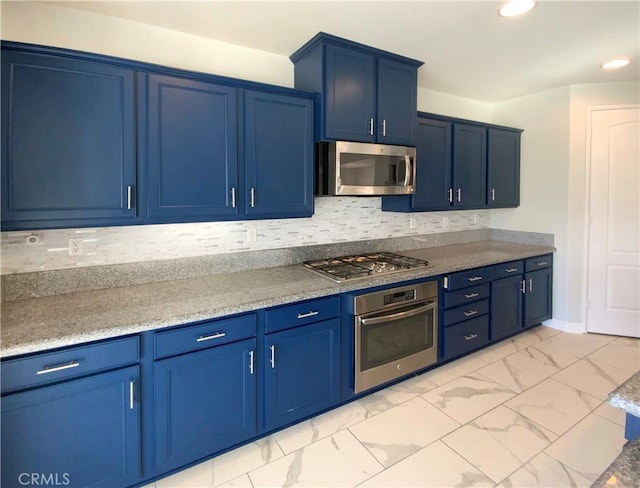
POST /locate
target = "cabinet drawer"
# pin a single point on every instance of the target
(466, 312)
(205, 334)
(538, 262)
(511, 268)
(466, 336)
(463, 279)
(69, 363)
(467, 295)
(300, 313)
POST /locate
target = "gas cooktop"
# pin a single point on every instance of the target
(363, 265)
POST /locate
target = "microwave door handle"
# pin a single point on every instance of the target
(398, 316)
(408, 170)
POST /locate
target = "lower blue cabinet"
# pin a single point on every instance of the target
(205, 401)
(506, 306)
(302, 372)
(83, 432)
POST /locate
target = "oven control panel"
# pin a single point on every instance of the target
(399, 297)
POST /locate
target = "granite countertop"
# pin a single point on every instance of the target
(37, 324)
(623, 472)
(627, 396)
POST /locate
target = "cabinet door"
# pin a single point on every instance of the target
(469, 166)
(68, 141)
(83, 432)
(204, 402)
(503, 168)
(506, 306)
(350, 95)
(301, 372)
(192, 148)
(537, 298)
(433, 166)
(278, 155)
(397, 102)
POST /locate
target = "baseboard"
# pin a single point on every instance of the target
(571, 327)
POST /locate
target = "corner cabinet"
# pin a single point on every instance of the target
(68, 142)
(462, 165)
(367, 95)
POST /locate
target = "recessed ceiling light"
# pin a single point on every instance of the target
(616, 63)
(516, 7)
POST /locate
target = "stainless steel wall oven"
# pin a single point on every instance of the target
(396, 333)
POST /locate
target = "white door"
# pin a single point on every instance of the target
(614, 230)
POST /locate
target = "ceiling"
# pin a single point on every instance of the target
(468, 50)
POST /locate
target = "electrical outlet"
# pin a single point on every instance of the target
(412, 223)
(252, 234)
(445, 221)
(475, 218)
(75, 247)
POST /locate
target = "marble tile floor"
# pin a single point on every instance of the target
(530, 411)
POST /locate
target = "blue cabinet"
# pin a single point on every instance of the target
(68, 142)
(538, 284)
(367, 95)
(469, 166)
(506, 306)
(503, 168)
(83, 432)
(191, 143)
(205, 401)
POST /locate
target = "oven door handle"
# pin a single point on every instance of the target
(398, 316)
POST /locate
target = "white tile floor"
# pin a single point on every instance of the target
(529, 411)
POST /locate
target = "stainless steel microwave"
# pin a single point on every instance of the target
(356, 168)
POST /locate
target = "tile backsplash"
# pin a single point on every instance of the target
(336, 219)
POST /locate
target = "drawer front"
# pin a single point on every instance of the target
(466, 336)
(464, 279)
(466, 312)
(205, 334)
(539, 262)
(301, 313)
(45, 368)
(511, 268)
(466, 295)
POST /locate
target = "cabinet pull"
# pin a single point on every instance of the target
(470, 337)
(470, 313)
(475, 278)
(530, 284)
(252, 197)
(371, 126)
(493, 194)
(250, 362)
(233, 197)
(523, 286)
(384, 127)
(471, 295)
(272, 360)
(59, 367)
(129, 197)
(450, 195)
(313, 313)
(131, 387)
(215, 335)
(511, 270)
(541, 263)
(459, 194)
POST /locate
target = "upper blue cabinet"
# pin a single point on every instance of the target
(367, 95)
(68, 141)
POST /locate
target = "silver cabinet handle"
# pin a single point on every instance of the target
(471, 295)
(250, 362)
(470, 337)
(59, 367)
(450, 195)
(400, 315)
(459, 194)
(475, 278)
(233, 197)
(523, 286)
(273, 356)
(371, 126)
(313, 313)
(252, 197)
(131, 387)
(511, 270)
(129, 197)
(470, 313)
(215, 335)
(541, 263)
(493, 194)
(530, 284)
(384, 127)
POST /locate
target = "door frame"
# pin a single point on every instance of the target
(587, 202)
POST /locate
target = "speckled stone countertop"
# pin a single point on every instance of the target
(37, 324)
(624, 472)
(627, 396)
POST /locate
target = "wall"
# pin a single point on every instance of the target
(335, 219)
